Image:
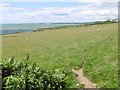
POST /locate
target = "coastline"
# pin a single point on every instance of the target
(17, 31)
(54, 28)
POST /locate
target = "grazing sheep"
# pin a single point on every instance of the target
(89, 30)
(98, 29)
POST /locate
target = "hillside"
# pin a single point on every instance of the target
(68, 48)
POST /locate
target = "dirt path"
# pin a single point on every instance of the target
(83, 79)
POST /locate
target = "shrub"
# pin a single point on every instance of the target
(22, 75)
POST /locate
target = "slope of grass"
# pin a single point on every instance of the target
(102, 63)
(67, 48)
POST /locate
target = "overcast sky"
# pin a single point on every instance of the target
(45, 12)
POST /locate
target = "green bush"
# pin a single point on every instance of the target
(22, 75)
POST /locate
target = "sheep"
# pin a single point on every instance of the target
(89, 30)
(98, 29)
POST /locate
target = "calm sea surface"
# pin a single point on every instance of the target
(13, 28)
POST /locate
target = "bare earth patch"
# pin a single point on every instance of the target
(83, 79)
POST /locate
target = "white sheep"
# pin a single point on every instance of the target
(98, 29)
(89, 30)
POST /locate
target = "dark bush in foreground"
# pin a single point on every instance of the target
(22, 75)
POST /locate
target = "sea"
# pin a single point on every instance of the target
(27, 27)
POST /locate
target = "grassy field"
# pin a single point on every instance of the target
(67, 48)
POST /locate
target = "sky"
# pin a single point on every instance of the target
(49, 12)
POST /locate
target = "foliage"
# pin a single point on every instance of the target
(54, 28)
(23, 76)
(108, 21)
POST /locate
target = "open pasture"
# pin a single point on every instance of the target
(68, 48)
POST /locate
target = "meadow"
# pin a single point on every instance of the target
(68, 48)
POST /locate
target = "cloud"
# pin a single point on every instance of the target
(98, 0)
(88, 12)
(19, 8)
(4, 4)
(4, 7)
(60, 1)
(7, 7)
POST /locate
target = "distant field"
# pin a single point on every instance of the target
(67, 48)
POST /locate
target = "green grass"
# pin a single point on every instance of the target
(67, 48)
